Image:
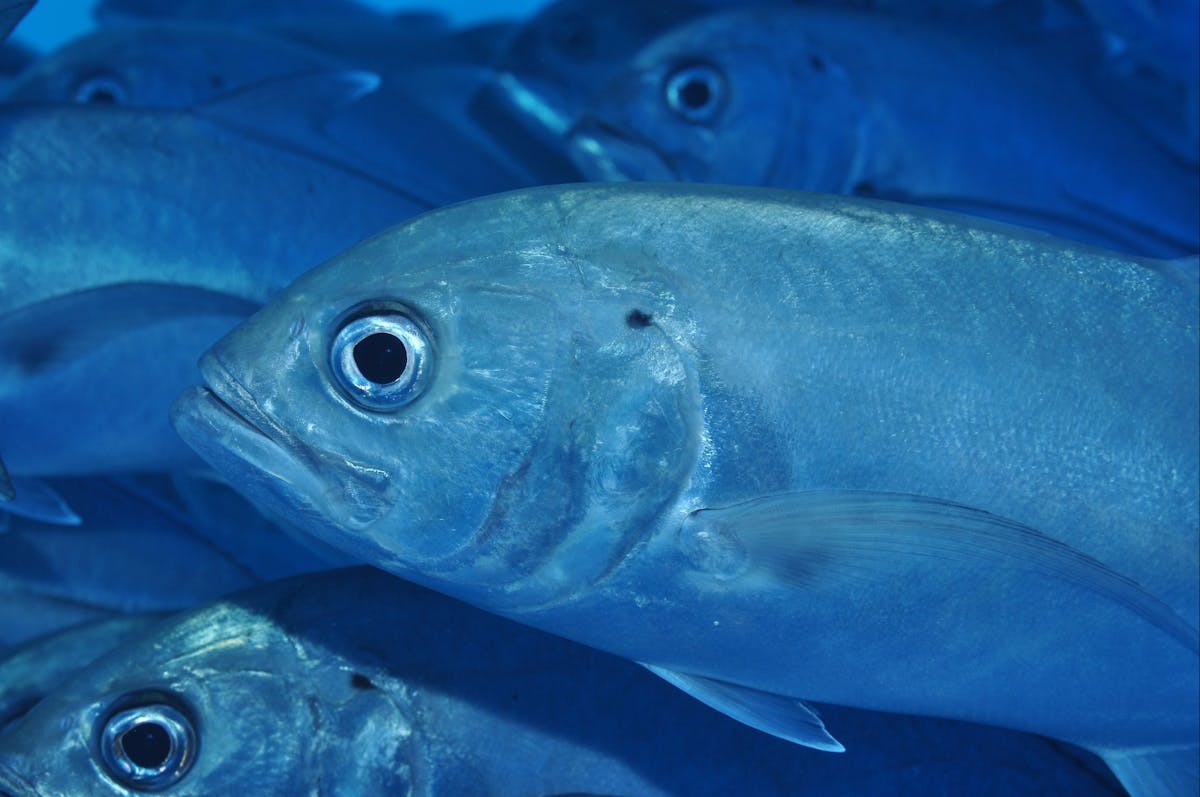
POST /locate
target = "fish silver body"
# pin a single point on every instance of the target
(786, 444)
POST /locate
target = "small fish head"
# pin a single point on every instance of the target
(538, 397)
(715, 101)
(571, 49)
(219, 701)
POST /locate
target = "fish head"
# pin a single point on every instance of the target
(460, 399)
(222, 700)
(567, 51)
(722, 99)
(164, 65)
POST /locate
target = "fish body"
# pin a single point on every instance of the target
(935, 114)
(771, 443)
(366, 685)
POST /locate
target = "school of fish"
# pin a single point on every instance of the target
(816, 385)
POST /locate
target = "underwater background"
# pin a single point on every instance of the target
(114, 519)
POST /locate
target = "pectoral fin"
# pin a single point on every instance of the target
(803, 538)
(778, 715)
(39, 501)
(1156, 772)
(63, 328)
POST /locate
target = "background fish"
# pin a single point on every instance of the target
(148, 544)
(366, 685)
(956, 116)
(776, 445)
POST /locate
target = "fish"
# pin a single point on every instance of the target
(555, 63)
(777, 446)
(162, 65)
(399, 126)
(352, 680)
(731, 98)
(35, 670)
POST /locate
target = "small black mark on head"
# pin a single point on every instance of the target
(636, 319)
(817, 63)
(360, 681)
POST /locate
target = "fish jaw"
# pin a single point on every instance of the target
(603, 152)
(268, 465)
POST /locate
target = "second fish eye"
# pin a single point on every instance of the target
(382, 360)
(103, 89)
(148, 748)
(695, 92)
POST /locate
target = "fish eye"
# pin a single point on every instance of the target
(382, 360)
(101, 90)
(148, 748)
(695, 92)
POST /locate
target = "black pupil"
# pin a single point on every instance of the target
(147, 745)
(695, 93)
(100, 96)
(381, 358)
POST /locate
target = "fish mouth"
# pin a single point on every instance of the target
(228, 429)
(602, 151)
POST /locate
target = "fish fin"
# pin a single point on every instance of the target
(274, 103)
(801, 538)
(295, 114)
(778, 715)
(62, 328)
(11, 12)
(1156, 772)
(36, 500)
(7, 493)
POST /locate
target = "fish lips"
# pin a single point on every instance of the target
(604, 152)
(263, 461)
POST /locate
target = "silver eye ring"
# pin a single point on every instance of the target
(695, 92)
(148, 748)
(382, 361)
(102, 89)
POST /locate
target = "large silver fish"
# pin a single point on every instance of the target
(356, 683)
(775, 445)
